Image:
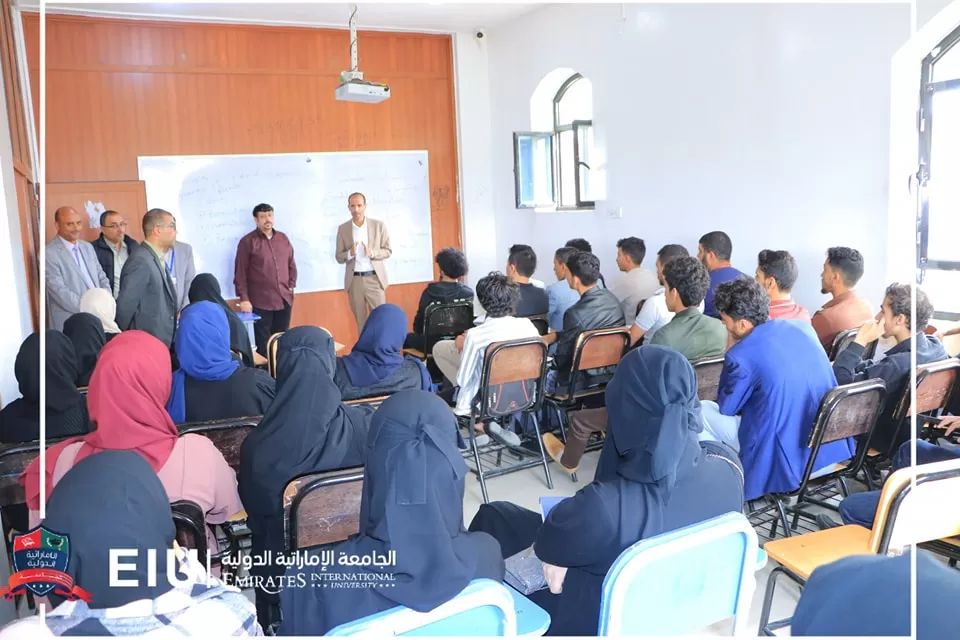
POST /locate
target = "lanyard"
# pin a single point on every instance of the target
(169, 265)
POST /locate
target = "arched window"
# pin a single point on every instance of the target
(939, 189)
(552, 168)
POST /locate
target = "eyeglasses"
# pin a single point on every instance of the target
(116, 225)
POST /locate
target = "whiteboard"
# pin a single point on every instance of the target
(212, 198)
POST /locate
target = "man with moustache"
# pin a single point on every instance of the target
(363, 244)
(72, 268)
(113, 247)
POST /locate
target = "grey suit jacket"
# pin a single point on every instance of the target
(148, 297)
(185, 270)
(64, 281)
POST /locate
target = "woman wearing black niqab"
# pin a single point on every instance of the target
(653, 476)
(205, 287)
(85, 331)
(412, 505)
(307, 429)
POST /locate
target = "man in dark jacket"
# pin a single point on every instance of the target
(453, 266)
(597, 309)
(113, 247)
(894, 369)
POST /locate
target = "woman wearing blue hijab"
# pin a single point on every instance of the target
(412, 505)
(653, 476)
(210, 384)
(377, 366)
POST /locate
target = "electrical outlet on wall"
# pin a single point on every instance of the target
(615, 213)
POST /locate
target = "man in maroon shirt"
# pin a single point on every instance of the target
(265, 276)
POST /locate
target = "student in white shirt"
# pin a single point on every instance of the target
(654, 315)
(461, 360)
(636, 284)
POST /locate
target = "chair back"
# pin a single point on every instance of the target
(483, 608)
(541, 323)
(14, 460)
(444, 320)
(935, 384)
(841, 341)
(910, 514)
(191, 527)
(600, 348)
(708, 372)
(322, 508)
(226, 435)
(846, 411)
(373, 401)
(512, 377)
(272, 345)
(686, 579)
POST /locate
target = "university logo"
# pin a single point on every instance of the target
(40, 561)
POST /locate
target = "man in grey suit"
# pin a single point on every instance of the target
(180, 266)
(148, 297)
(72, 268)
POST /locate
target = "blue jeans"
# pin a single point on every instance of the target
(861, 508)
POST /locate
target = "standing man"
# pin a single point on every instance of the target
(148, 297)
(179, 263)
(72, 268)
(363, 244)
(113, 247)
(265, 276)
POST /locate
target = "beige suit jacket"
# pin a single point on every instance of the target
(378, 250)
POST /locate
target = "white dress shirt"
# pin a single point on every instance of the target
(360, 236)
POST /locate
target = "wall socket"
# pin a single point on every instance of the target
(615, 213)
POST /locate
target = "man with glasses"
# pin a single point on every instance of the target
(148, 295)
(113, 247)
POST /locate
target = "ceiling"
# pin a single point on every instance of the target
(419, 16)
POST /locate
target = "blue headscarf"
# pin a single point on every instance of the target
(203, 350)
(378, 352)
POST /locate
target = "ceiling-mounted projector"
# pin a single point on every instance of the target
(362, 91)
(353, 87)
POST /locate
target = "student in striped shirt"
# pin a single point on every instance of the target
(461, 360)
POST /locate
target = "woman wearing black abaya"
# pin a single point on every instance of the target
(86, 333)
(66, 409)
(412, 505)
(653, 477)
(206, 288)
(307, 429)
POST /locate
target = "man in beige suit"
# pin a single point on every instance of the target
(363, 244)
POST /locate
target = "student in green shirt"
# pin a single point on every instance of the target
(690, 332)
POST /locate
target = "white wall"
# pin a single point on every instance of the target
(770, 122)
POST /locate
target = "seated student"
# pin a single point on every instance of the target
(461, 360)
(842, 270)
(93, 506)
(412, 506)
(210, 384)
(869, 595)
(714, 252)
(654, 315)
(66, 409)
(652, 477)
(521, 265)
(453, 266)
(777, 273)
(774, 376)
(376, 366)
(127, 394)
(690, 332)
(894, 369)
(581, 244)
(101, 303)
(636, 284)
(307, 429)
(86, 333)
(596, 309)
(205, 288)
(560, 296)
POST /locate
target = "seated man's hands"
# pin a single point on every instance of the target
(555, 577)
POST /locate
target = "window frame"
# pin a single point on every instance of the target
(928, 89)
(579, 204)
(548, 135)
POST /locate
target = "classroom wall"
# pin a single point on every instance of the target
(770, 122)
(117, 89)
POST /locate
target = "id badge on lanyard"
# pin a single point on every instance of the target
(170, 268)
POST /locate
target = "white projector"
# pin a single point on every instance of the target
(362, 91)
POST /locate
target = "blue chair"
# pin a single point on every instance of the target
(483, 608)
(683, 581)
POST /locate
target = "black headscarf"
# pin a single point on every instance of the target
(306, 430)
(413, 505)
(205, 288)
(112, 500)
(85, 331)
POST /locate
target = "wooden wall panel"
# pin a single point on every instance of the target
(117, 89)
(126, 198)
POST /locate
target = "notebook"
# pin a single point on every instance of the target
(547, 503)
(524, 570)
